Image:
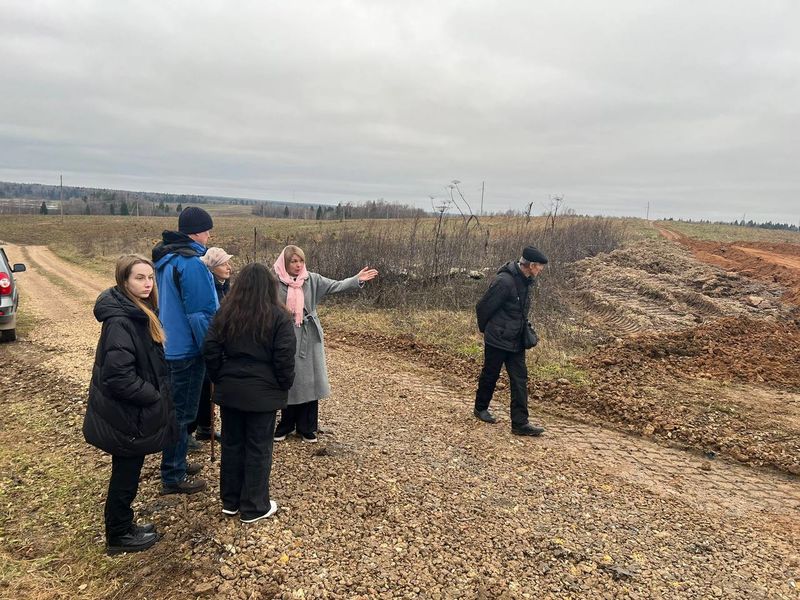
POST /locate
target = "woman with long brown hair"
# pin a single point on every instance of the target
(130, 413)
(249, 353)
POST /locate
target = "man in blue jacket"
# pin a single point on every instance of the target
(187, 303)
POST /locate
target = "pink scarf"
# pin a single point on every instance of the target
(295, 300)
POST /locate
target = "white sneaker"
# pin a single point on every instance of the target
(230, 511)
(273, 508)
(280, 438)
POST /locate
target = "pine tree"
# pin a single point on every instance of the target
(43, 208)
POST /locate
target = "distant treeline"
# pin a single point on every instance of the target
(36, 198)
(372, 209)
(743, 223)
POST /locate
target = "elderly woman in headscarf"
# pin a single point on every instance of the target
(218, 262)
(302, 290)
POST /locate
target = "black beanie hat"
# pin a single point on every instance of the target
(534, 255)
(194, 220)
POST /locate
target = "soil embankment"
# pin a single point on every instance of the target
(762, 261)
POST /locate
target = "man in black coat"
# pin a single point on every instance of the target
(503, 320)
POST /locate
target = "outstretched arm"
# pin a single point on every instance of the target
(327, 286)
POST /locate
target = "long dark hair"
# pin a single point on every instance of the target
(248, 308)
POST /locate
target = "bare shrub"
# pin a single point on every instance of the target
(427, 264)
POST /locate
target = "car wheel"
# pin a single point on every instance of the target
(8, 335)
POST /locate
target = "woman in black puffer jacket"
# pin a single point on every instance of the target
(249, 353)
(130, 412)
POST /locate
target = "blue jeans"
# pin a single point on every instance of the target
(186, 378)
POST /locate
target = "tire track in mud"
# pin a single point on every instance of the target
(656, 285)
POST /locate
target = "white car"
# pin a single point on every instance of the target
(9, 298)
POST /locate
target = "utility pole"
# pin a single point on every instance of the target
(648, 211)
(483, 188)
(61, 197)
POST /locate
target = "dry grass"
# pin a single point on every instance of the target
(416, 294)
(455, 332)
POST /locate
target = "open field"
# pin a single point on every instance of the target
(716, 232)
(668, 469)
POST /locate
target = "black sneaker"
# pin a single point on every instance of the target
(311, 438)
(193, 468)
(187, 486)
(133, 541)
(484, 415)
(229, 512)
(282, 433)
(527, 429)
(250, 518)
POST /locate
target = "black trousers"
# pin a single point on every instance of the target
(304, 417)
(203, 408)
(493, 359)
(125, 472)
(246, 460)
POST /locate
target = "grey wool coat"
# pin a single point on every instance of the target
(311, 371)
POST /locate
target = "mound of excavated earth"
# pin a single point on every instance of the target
(656, 285)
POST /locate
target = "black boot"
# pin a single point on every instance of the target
(133, 541)
(484, 415)
(204, 434)
(145, 527)
(527, 429)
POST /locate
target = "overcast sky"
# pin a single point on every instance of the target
(693, 107)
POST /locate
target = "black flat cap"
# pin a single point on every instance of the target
(534, 255)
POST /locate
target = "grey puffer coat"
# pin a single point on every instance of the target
(311, 370)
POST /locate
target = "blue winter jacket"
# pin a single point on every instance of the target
(186, 295)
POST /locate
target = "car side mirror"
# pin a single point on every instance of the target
(18, 268)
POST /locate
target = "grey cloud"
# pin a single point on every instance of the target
(611, 104)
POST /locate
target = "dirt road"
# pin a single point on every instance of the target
(406, 495)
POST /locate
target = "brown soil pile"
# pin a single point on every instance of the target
(731, 349)
(777, 263)
(655, 285)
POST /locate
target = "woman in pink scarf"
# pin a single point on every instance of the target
(301, 290)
